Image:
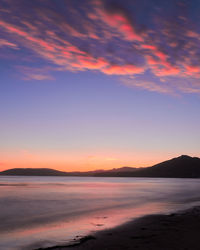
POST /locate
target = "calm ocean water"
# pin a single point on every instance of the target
(44, 211)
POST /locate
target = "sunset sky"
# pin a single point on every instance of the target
(96, 84)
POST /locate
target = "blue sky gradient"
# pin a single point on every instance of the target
(117, 85)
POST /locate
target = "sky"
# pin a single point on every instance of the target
(98, 84)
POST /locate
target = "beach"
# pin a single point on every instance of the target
(175, 231)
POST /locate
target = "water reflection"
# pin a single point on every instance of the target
(43, 211)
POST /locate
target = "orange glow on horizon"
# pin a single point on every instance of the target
(79, 161)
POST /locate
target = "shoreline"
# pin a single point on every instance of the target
(176, 231)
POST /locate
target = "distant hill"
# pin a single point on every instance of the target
(33, 172)
(181, 167)
(119, 172)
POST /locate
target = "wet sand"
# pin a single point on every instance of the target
(177, 231)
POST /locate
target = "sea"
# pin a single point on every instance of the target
(38, 212)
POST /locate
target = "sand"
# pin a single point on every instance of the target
(177, 231)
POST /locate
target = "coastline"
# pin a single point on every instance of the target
(176, 231)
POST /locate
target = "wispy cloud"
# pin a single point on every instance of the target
(107, 36)
(5, 43)
(31, 73)
(147, 85)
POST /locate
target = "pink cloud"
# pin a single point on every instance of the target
(127, 69)
(162, 56)
(6, 43)
(120, 22)
(158, 62)
(156, 51)
(166, 71)
(88, 62)
(192, 70)
(193, 34)
(148, 46)
(117, 21)
(151, 60)
(54, 49)
(106, 38)
(62, 53)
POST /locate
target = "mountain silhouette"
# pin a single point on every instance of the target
(181, 167)
(33, 172)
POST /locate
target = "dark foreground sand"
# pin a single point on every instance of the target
(178, 231)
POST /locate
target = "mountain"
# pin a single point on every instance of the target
(46, 172)
(33, 172)
(181, 167)
(118, 172)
